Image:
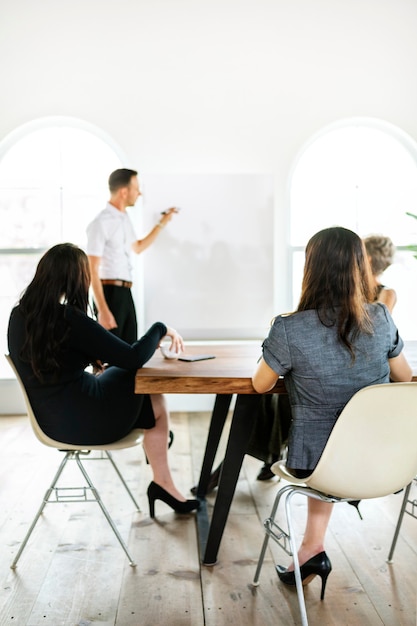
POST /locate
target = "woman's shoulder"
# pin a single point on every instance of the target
(388, 296)
(378, 309)
(295, 317)
(296, 323)
(75, 316)
(15, 311)
(16, 320)
(380, 315)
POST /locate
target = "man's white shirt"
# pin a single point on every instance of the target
(110, 236)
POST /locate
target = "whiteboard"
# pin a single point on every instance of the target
(210, 272)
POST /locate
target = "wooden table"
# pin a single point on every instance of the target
(227, 374)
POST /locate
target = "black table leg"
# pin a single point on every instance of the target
(218, 419)
(243, 420)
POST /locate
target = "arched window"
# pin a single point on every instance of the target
(360, 174)
(53, 180)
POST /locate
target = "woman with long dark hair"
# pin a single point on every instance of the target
(336, 342)
(51, 342)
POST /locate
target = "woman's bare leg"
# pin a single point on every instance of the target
(318, 516)
(155, 443)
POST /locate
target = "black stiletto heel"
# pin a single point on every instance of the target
(356, 503)
(318, 565)
(170, 439)
(156, 492)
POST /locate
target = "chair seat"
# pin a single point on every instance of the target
(280, 469)
(133, 438)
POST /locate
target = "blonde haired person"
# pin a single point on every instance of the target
(381, 251)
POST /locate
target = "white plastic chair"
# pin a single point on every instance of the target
(89, 493)
(370, 453)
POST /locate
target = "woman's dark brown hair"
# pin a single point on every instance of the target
(337, 283)
(62, 277)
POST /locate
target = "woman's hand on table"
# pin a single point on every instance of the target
(177, 342)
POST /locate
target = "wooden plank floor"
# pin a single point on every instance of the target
(74, 573)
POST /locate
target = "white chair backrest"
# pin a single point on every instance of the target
(372, 450)
(134, 438)
(33, 421)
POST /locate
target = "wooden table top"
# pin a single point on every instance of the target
(229, 372)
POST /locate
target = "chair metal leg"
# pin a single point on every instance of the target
(255, 582)
(297, 572)
(110, 457)
(103, 508)
(400, 520)
(286, 541)
(84, 498)
(41, 508)
(269, 525)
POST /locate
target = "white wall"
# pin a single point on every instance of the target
(227, 86)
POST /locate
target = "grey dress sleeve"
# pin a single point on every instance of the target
(276, 351)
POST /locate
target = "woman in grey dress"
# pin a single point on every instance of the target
(336, 328)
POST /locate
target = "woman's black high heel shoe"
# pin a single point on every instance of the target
(213, 482)
(318, 565)
(156, 492)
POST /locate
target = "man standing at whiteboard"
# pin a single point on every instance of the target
(110, 241)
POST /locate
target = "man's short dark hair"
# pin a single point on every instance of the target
(120, 178)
